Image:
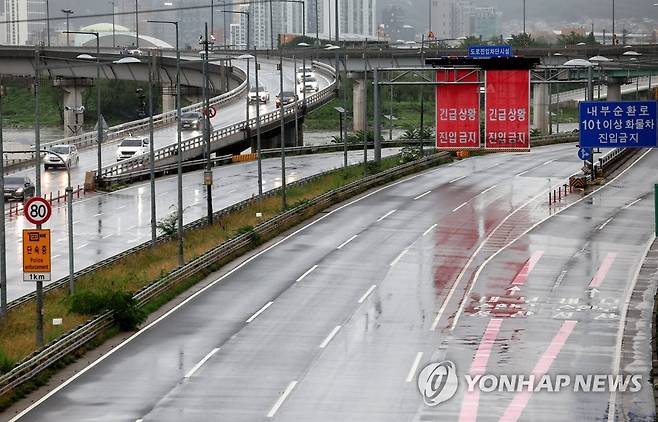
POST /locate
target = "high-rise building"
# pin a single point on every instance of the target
(26, 22)
(484, 22)
(452, 19)
(441, 18)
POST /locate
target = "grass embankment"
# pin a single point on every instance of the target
(17, 330)
(119, 103)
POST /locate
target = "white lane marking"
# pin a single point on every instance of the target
(309, 271)
(456, 180)
(366, 294)
(260, 311)
(399, 257)
(460, 310)
(632, 203)
(55, 256)
(622, 325)
(346, 242)
(98, 215)
(423, 194)
(200, 292)
(487, 190)
(522, 173)
(460, 207)
(231, 191)
(386, 215)
(602, 226)
(330, 337)
(201, 362)
(75, 222)
(281, 399)
(414, 367)
(432, 227)
(82, 246)
(106, 236)
(122, 207)
(548, 162)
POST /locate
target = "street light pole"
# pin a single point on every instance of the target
(258, 155)
(3, 248)
(207, 176)
(283, 133)
(37, 183)
(614, 37)
(524, 15)
(48, 22)
(181, 256)
(99, 117)
(114, 41)
(67, 12)
(136, 25)
(154, 233)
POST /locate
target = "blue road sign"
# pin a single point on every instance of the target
(612, 124)
(584, 154)
(486, 51)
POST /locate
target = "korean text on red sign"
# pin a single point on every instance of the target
(457, 109)
(507, 124)
(611, 124)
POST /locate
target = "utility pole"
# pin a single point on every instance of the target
(37, 183)
(207, 175)
(283, 134)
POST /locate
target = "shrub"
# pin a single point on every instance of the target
(126, 312)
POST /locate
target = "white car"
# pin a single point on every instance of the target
(132, 147)
(69, 154)
(261, 94)
(305, 71)
(311, 84)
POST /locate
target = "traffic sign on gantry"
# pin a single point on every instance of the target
(613, 124)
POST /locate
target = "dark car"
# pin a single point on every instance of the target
(287, 97)
(18, 187)
(192, 120)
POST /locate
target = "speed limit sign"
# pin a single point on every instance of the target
(210, 112)
(37, 210)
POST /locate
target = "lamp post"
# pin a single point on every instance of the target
(67, 12)
(37, 184)
(181, 256)
(48, 22)
(283, 133)
(524, 15)
(614, 36)
(136, 25)
(130, 60)
(99, 129)
(248, 24)
(343, 140)
(3, 250)
(207, 175)
(114, 42)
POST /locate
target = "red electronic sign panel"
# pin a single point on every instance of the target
(458, 110)
(507, 109)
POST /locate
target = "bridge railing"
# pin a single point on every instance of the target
(123, 130)
(116, 171)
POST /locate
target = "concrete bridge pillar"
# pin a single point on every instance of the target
(614, 88)
(540, 108)
(73, 110)
(168, 98)
(359, 101)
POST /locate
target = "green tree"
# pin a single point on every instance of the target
(471, 40)
(573, 39)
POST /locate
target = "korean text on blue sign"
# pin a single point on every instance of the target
(483, 51)
(611, 124)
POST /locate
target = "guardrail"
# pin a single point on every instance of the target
(122, 130)
(74, 339)
(112, 172)
(613, 160)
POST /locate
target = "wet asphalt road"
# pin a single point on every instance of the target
(107, 224)
(54, 181)
(334, 322)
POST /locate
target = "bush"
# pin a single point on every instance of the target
(168, 225)
(415, 133)
(126, 312)
(6, 364)
(410, 153)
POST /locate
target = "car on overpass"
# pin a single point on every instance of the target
(260, 94)
(132, 146)
(191, 120)
(311, 84)
(68, 153)
(285, 97)
(304, 72)
(18, 187)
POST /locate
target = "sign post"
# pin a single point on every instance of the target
(655, 206)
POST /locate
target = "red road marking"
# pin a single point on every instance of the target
(520, 401)
(471, 399)
(522, 276)
(603, 270)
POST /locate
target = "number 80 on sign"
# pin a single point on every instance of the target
(37, 210)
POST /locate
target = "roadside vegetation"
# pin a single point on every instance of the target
(112, 287)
